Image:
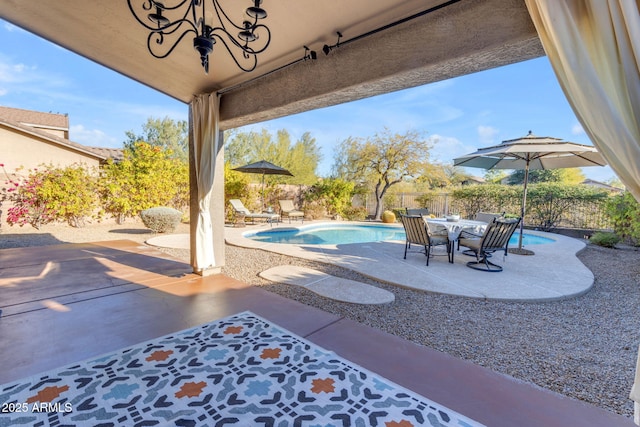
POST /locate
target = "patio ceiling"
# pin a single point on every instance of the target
(459, 38)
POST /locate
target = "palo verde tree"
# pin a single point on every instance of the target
(382, 161)
(148, 176)
(167, 134)
(300, 157)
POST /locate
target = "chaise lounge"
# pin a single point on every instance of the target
(288, 210)
(240, 211)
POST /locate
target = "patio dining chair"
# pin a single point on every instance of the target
(487, 217)
(417, 211)
(417, 232)
(495, 238)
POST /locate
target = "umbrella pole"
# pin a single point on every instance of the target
(524, 203)
(263, 205)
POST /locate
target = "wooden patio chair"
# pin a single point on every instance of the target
(495, 238)
(417, 231)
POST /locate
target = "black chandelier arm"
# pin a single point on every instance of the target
(246, 52)
(169, 28)
(160, 40)
(155, 3)
(218, 32)
(219, 10)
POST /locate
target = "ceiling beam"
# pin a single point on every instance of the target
(463, 38)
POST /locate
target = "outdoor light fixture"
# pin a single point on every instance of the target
(326, 48)
(309, 54)
(170, 22)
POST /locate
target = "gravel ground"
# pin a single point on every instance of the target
(584, 347)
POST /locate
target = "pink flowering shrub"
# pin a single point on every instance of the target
(27, 207)
(50, 194)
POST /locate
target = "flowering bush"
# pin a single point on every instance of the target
(27, 207)
(50, 194)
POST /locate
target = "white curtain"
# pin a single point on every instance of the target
(594, 49)
(206, 144)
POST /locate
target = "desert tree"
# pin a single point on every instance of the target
(382, 161)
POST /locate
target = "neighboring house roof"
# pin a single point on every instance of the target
(52, 138)
(117, 154)
(473, 180)
(594, 183)
(35, 119)
(35, 123)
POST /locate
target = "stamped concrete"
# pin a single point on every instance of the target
(553, 273)
(327, 285)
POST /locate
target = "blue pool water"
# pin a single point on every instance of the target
(339, 234)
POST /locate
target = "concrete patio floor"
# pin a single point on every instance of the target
(553, 273)
(69, 302)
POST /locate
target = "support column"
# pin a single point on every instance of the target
(216, 208)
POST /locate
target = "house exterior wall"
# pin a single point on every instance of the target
(19, 149)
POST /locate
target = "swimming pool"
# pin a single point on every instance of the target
(340, 234)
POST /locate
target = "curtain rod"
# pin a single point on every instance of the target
(361, 36)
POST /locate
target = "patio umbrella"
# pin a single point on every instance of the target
(532, 152)
(265, 168)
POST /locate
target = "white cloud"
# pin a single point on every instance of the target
(92, 137)
(487, 134)
(446, 148)
(11, 28)
(15, 73)
(577, 129)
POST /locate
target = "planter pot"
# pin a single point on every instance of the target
(388, 217)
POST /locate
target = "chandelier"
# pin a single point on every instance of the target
(169, 24)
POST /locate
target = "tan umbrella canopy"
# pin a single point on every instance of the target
(265, 168)
(532, 153)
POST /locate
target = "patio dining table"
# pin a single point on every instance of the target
(454, 228)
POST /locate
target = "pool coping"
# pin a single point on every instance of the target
(553, 273)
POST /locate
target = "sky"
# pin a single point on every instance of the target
(458, 115)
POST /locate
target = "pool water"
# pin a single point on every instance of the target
(339, 234)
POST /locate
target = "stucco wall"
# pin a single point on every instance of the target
(20, 149)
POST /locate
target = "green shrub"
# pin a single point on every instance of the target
(548, 203)
(608, 240)
(161, 219)
(355, 213)
(624, 211)
(334, 194)
(399, 211)
(471, 199)
(147, 176)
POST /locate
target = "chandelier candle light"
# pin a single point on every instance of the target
(170, 23)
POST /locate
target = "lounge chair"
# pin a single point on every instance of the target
(417, 231)
(240, 211)
(288, 210)
(495, 238)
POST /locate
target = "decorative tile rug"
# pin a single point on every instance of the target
(240, 371)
